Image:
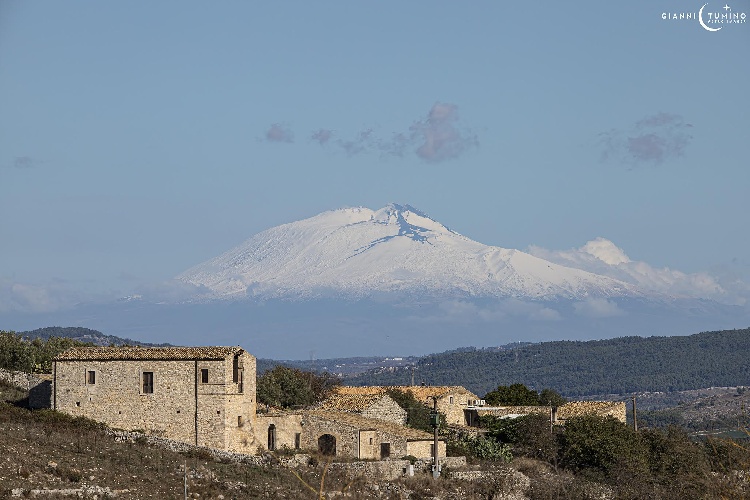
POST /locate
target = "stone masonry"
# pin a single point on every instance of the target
(203, 396)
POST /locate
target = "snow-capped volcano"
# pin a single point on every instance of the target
(358, 252)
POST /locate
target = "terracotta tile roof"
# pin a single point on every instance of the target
(578, 408)
(421, 392)
(146, 353)
(363, 423)
(349, 402)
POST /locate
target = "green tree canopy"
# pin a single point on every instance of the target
(286, 387)
(21, 354)
(512, 395)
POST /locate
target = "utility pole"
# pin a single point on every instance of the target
(635, 417)
(435, 421)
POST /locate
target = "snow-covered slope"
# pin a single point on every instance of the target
(358, 252)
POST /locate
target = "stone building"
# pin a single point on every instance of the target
(198, 395)
(351, 435)
(377, 406)
(451, 400)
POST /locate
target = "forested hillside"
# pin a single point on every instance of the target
(614, 366)
(81, 334)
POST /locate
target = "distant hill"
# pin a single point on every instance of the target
(83, 335)
(580, 368)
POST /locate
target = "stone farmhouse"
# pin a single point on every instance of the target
(199, 395)
(205, 396)
(451, 400)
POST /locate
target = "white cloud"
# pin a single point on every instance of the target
(597, 308)
(171, 291)
(601, 256)
(465, 311)
(35, 298)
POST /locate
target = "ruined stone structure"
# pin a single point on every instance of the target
(198, 395)
(348, 434)
(451, 400)
(377, 406)
(557, 415)
(614, 409)
(39, 386)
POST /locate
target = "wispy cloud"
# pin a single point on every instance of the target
(36, 298)
(322, 136)
(24, 162)
(601, 256)
(279, 133)
(437, 135)
(362, 142)
(653, 139)
(434, 138)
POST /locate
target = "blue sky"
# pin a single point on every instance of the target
(140, 138)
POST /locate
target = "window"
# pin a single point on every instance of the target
(239, 381)
(204, 375)
(91, 377)
(450, 400)
(147, 379)
(297, 440)
(235, 368)
(240, 422)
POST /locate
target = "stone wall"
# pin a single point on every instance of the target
(286, 426)
(39, 386)
(453, 404)
(347, 436)
(423, 449)
(386, 409)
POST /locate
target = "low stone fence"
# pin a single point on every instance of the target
(180, 447)
(394, 468)
(39, 386)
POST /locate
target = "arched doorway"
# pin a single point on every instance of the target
(327, 444)
(271, 437)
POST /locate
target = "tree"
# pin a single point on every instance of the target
(512, 395)
(417, 413)
(286, 387)
(550, 397)
(602, 446)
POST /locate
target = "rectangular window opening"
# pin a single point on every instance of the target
(240, 422)
(297, 440)
(204, 375)
(147, 379)
(91, 377)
